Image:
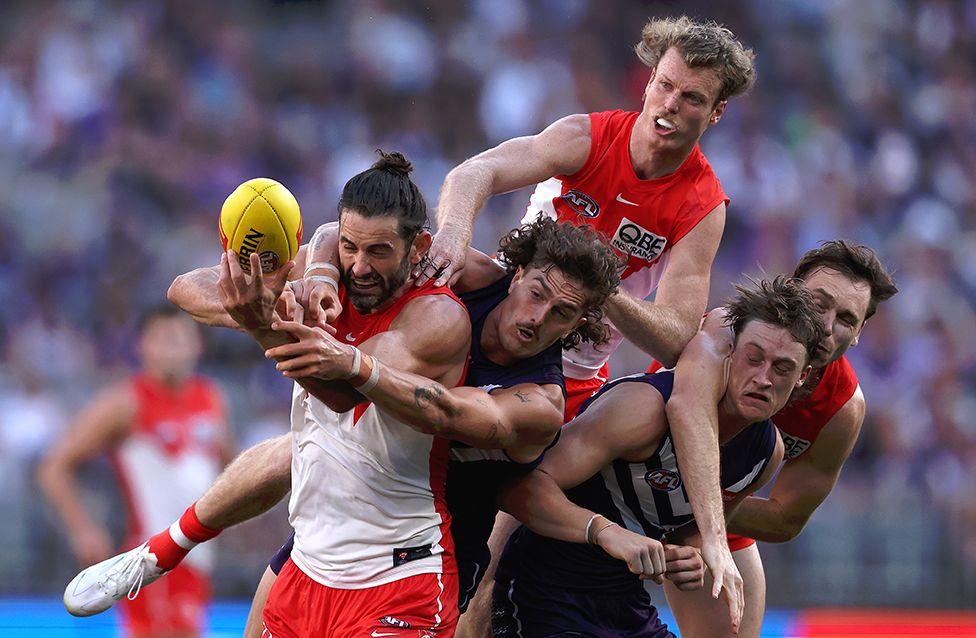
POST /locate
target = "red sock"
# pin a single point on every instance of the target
(171, 545)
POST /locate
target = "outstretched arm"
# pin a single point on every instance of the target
(197, 293)
(804, 482)
(526, 414)
(606, 431)
(700, 380)
(562, 148)
(664, 326)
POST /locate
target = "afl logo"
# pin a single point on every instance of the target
(664, 480)
(582, 204)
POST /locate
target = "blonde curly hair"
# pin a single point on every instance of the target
(701, 45)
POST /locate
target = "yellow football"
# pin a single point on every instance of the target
(261, 216)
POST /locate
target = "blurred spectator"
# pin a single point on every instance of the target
(125, 124)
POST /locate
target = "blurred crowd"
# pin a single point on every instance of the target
(125, 124)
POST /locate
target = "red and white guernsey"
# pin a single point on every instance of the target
(171, 456)
(367, 501)
(801, 422)
(643, 219)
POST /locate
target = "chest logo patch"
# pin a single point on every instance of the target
(636, 241)
(795, 446)
(582, 204)
(663, 480)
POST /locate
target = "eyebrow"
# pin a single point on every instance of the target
(698, 94)
(572, 305)
(824, 293)
(545, 285)
(777, 361)
(381, 243)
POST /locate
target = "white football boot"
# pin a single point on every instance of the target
(103, 584)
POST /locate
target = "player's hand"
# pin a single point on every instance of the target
(288, 308)
(685, 567)
(445, 259)
(320, 299)
(91, 545)
(727, 581)
(644, 556)
(316, 353)
(250, 301)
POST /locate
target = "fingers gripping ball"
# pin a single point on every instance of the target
(261, 216)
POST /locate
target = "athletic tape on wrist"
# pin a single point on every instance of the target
(321, 264)
(327, 279)
(373, 379)
(357, 361)
(586, 534)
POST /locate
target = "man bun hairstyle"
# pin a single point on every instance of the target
(581, 253)
(701, 45)
(386, 190)
(784, 302)
(857, 261)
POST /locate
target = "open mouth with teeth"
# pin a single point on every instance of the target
(664, 127)
(525, 333)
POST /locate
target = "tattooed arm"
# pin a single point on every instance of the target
(525, 415)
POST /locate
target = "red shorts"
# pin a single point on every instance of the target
(174, 604)
(739, 542)
(422, 606)
(579, 390)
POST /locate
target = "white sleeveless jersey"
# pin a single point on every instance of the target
(170, 458)
(367, 501)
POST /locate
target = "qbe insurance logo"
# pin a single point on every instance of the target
(634, 240)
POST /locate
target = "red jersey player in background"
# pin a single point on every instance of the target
(819, 427)
(166, 431)
(641, 179)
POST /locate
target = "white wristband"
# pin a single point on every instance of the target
(373, 379)
(586, 534)
(357, 362)
(315, 265)
(327, 279)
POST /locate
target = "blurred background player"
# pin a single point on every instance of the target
(166, 431)
(641, 179)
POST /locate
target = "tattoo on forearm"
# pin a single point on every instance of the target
(424, 396)
(521, 397)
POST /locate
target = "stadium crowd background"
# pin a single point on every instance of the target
(126, 124)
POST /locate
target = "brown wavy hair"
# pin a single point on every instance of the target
(856, 261)
(784, 302)
(581, 253)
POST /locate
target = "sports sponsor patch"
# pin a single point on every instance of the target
(403, 555)
(581, 203)
(794, 445)
(390, 621)
(634, 240)
(663, 480)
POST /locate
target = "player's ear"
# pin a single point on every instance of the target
(857, 335)
(519, 273)
(420, 246)
(718, 112)
(803, 376)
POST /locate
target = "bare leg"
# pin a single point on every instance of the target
(476, 622)
(252, 484)
(701, 616)
(255, 618)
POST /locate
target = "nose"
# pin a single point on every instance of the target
(764, 379)
(361, 266)
(671, 102)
